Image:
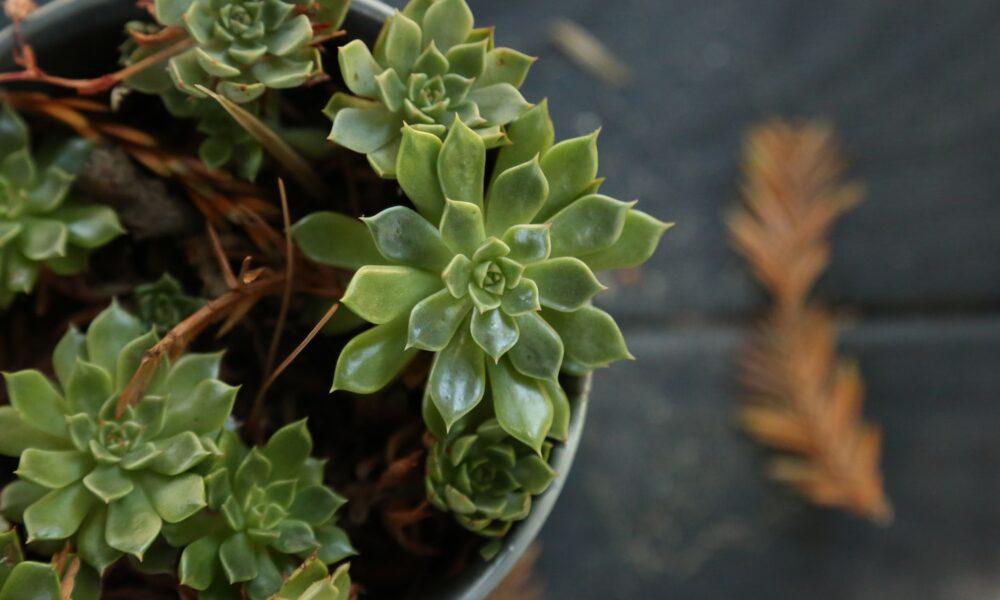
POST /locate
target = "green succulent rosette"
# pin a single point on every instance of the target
(429, 68)
(110, 483)
(486, 479)
(496, 280)
(268, 510)
(42, 225)
(313, 581)
(163, 303)
(245, 47)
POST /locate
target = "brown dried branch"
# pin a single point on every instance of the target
(802, 398)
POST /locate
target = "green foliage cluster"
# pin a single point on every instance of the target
(164, 303)
(165, 468)
(42, 222)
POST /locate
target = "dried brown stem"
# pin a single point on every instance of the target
(802, 398)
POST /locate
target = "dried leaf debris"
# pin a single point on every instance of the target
(802, 398)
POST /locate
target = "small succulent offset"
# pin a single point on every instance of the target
(429, 68)
(498, 283)
(268, 510)
(41, 223)
(313, 581)
(107, 482)
(163, 303)
(487, 479)
(245, 47)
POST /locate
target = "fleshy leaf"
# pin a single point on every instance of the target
(359, 68)
(530, 135)
(461, 165)
(238, 559)
(458, 377)
(32, 580)
(528, 243)
(17, 436)
(203, 411)
(447, 23)
(462, 227)
(289, 448)
(515, 197)
(53, 469)
(380, 294)
(435, 319)
(569, 167)
(402, 235)
(499, 103)
(495, 332)
(416, 170)
(175, 498)
(199, 562)
(58, 514)
(505, 65)
(539, 350)
(108, 483)
(588, 224)
(132, 524)
(37, 402)
(109, 333)
(523, 406)
(591, 337)
(373, 359)
(365, 130)
(89, 387)
(565, 284)
(638, 241)
(402, 43)
(337, 240)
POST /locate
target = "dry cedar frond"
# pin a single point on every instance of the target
(802, 398)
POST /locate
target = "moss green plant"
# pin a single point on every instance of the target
(43, 224)
(163, 303)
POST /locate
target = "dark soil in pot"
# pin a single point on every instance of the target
(374, 444)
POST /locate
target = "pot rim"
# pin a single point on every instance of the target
(481, 577)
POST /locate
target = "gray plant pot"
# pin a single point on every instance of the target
(73, 37)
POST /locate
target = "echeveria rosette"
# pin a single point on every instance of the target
(268, 510)
(163, 303)
(486, 479)
(110, 483)
(429, 68)
(243, 47)
(498, 283)
(41, 224)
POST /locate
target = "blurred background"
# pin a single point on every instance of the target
(668, 498)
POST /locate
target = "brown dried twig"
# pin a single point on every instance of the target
(802, 398)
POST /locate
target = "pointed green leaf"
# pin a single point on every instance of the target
(43, 239)
(434, 320)
(204, 411)
(505, 65)
(521, 299)
(458, 377)
(109, 333)
(462, 227)
(334, 545)
(638, 241)
(365, 130)
(199, 562)
(53, 469)
(359, 68)
(189, 371)
(402, 43)
(591, 337)
(499, 103)
(108, 483)
(336, 240)
(132, 524)
(315, 505)
(416, 170)
(530, 135)
(533, 473)
(58, 514)
(561, 410)
(528, 243)
(178, 453)
(469, 59)
(523, 406)
(515, 197)
(295, 537)
(565, 284)
(539, 350)
(289, 448)
(373, 359)
(461, 165)
(404, 236)
(494, 331)
(175, 498)
(32, 581)
(89, 388)
(37, 402)
(131, 356)
(380, 294)
(569, 167)
(18, 436)
(90, 543)
(90, 226)
(588, 224)
(238, 558)
(71, 346)
(292, 35)
(447, 23)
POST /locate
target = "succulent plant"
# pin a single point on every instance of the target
(108, 482)
(245, 46)
(313, 581)
(20, 579)
(486, 479)
(429, 68)
(267, 511)
(163, 303)
(41, 223)
(497, 283)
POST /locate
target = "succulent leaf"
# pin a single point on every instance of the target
(42, 224)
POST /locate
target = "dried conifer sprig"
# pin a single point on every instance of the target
(802, 398)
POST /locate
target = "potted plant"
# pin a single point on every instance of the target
(410, 237)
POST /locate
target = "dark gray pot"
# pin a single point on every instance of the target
(92, 29)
